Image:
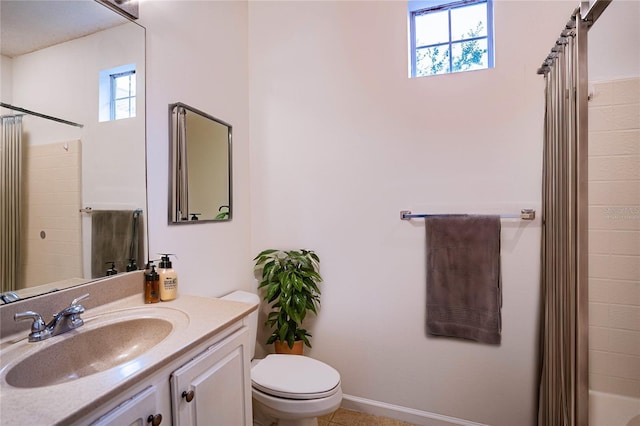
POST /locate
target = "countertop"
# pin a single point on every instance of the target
(196, 319)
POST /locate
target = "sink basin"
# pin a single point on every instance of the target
(88, 352)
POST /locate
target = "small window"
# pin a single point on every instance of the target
(123, 95)
(448, 37)
(117, 90)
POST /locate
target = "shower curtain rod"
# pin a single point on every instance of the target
(591, 13)
(569, 31)
(37, 114)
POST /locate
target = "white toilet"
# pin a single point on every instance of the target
(288, 390)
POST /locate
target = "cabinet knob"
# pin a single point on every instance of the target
(188, 396)
(154, 420)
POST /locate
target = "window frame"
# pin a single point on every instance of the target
(416, 8)
(105, 91)
(113, 98)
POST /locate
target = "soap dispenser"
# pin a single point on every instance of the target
(151, 284)
(168, 279)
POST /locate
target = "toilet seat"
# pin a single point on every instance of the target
(295, 377)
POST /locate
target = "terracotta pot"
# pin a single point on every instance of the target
(283, 348)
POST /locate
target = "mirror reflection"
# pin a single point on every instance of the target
(80, 62)
(200, 166)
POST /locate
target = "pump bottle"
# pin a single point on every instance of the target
(151, 284)
(168, 279)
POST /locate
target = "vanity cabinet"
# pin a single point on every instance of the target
(214, 388)
(208, 385)
(142, 409)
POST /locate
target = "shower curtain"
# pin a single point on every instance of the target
(10, 200)
(563, 393)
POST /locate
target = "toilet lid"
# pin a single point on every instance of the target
(295, 377)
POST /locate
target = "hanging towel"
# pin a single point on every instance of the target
(116, 236)
(463, 277)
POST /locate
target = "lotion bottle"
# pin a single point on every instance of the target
(168, 279)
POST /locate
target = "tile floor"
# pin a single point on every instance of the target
(343, 417)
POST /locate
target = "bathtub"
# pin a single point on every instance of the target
(608, 409)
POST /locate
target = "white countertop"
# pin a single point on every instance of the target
(195, 320)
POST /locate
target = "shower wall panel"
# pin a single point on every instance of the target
(53, 239)
(614, 236)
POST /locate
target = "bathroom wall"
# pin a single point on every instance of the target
(342, 140)
(614, 201)
(6, 77)
(197, 54)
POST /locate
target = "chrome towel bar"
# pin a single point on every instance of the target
(525, 214)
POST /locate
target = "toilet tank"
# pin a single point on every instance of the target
(252, 318)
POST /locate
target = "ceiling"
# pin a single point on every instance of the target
(30, 25)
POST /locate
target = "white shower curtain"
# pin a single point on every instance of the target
(10, 200)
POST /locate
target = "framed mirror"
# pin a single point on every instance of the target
(200, 166)
(54, 56)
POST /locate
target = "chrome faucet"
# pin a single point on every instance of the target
(9, 296)
(65, 320)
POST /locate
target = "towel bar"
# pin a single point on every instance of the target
(90, 210)
(525, 214)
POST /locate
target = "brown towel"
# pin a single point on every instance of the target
(463, 277)
(116, 236)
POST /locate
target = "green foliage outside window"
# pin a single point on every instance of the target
(435, 60)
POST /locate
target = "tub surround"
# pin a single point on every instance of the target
(195, 319)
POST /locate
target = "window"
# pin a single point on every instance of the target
(117, 93)
(448, 37)
(123, 95)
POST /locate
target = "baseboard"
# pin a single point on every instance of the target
(410, 415)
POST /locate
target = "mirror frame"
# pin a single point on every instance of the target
(174, 148)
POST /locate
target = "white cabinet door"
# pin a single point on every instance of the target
(214, 389)
(140, 410)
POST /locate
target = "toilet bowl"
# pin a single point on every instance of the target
(288, 390)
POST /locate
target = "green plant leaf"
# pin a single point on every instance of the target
(282, 332)
(291, 339)
(273, 291)
(265, 253)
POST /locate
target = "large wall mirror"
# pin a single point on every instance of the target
(200, 166)
(82, 63)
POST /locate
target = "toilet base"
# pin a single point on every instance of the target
(260, 418)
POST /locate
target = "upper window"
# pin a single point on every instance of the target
(450, 37)
(117, 93)
(123, 95)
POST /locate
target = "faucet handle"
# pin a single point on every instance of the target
(79, 298)
(38, 323)
(38, 327)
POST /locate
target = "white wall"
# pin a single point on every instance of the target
(614, 42)
(6, 81)
(342, 140)
(197, 54)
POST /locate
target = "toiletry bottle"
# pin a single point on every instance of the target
(168, 279)
(112, 270)
(151, 285)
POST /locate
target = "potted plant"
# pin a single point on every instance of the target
(290, 282)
